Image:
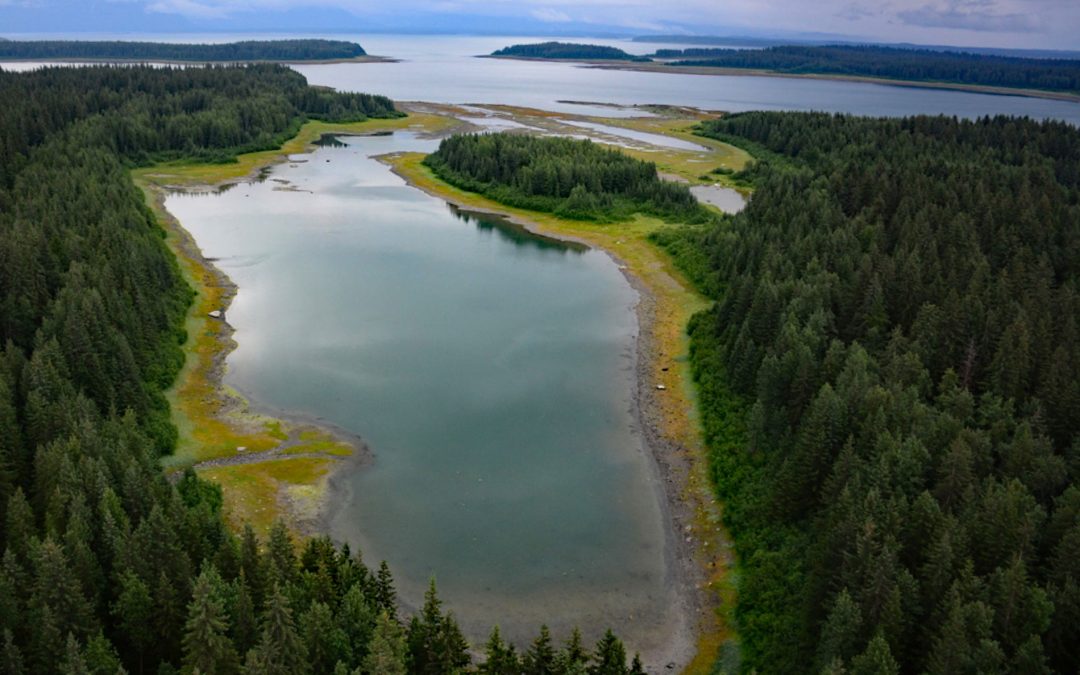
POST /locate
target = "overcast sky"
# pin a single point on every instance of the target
(991, 23)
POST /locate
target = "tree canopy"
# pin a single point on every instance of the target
(567, 50)
(248, 50)
(888, 387)
(107, 565)
(920, 65)
(570, 178)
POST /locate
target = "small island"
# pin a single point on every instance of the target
(246, 51)
(578, 180)
(567, 51)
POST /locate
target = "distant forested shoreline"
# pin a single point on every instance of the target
(249, 50)
(917, 65)
(567, 50)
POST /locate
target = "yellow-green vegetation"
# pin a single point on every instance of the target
(215, 424)
(694, 167)
(259, 493)
(181, 174)
(674, 302)
(683, 163)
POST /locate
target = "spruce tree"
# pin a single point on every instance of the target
(387, 650)
(280, 650)
(609, 658)
(385, 596)
(573, 655)
(207, 648)
(540, 658)
(876, 660)
(134, 612)
(500, 658)
(280, 556)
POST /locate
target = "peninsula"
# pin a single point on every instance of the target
(282, 51)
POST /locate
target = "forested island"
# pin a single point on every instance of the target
(889, 394)
(107, 563)
(567, 50)
(570, 178)
(914, 65)
(249, 50)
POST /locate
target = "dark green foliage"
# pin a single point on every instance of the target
(387, 653)
(279, 650)
(104, 563)
(207, 648)
(567, 50)
(570, 178)
(249, 50)
(609, 657)
(540, 659)
(921, 65)
(434, 639)
(500, 658)
(881, 395)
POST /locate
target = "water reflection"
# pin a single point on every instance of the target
(515, 233)
(330, 141)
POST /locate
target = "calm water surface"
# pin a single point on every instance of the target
(443, 69)
(491, 372)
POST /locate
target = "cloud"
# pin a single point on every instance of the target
(550, 15)
(969, 15)
(189, 8)
(857, 12)
(999, 23)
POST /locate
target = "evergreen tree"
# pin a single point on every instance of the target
(11, 657)
(387, 650)
(325, 642)
(207, 648)
(876, 660)
(609, 658)
(540, 659)
(500, 658)
(573, 656)
(73, 662)
(280, 650)
(101, 657)
(280, 555)
(385, 596)
(134, 614)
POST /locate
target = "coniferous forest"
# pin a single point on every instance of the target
(248, 50)
(570, 178)
(567, 50)
(108, 566)
(889, 390)
(923, 65)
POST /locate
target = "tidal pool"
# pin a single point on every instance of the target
(491, 371)
(726, 199)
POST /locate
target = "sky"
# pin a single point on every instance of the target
(1031, 24)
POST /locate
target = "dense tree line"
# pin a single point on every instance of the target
(921, 65)
(105, 565)
(692, 52)
(889, 390)
(250, 50)
(567, 50)
(570, 178)
(153, 114)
